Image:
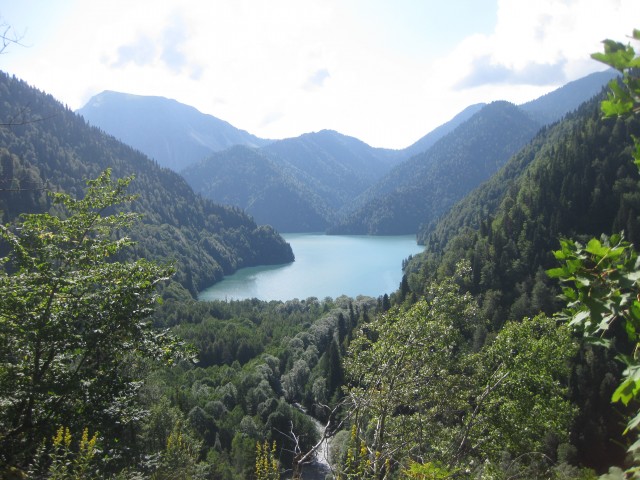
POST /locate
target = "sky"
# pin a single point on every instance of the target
(384, 71)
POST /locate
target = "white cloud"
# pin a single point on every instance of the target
(317, 79)
(284, 67)
(546, 42)
(141, 52)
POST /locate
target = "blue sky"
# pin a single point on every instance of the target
(384, 71)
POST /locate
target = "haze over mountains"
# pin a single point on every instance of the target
(326, 181)
(173, 134)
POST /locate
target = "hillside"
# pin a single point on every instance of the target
(576, 179)
(49, 148)
(259, 185)
(426, 142)
(425, 186)
(554, 105)
(340, 167)
(296, 184)
(318, 181)
(173, 134)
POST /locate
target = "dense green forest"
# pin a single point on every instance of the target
(109, 369)
(296, 184)
(47, 147)
(251, 179)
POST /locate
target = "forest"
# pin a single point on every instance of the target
(509, 350)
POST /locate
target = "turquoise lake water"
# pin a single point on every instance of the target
(325, 266)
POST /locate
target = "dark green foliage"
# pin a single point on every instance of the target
(418, 390)
(233, 400)
(600, 278)
(74, 326)
(573, 178)
(261, 186)
(56, 150)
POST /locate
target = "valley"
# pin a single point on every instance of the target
(209, 304)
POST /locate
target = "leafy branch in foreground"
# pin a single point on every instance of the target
(74, 321)
(601, 278)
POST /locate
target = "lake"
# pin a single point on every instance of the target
(325, 266)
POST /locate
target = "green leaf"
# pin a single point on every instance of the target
(556, 272)
(632, 425)
(634, 310)
(631, 331)
(616, 55)
(569, 293)
(594, 246)
(615, 108)
(626, 391)
(580, 317)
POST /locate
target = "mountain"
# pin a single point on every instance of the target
(338, 166)
(173, 134)
(573, 179)
(576, 179)
(545, 110)
(554, 105)
(426, 142)
(297, 184)
(262, 187)
(425, 186)
(324, 180)
(49, 148)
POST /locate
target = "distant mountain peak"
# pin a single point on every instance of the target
(174, 134)
(554, 105)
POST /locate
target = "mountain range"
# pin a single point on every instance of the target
(326, 181)
(425, 186)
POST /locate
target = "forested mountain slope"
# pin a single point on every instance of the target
(174, 134)
(339, 166)
(258, 184)
(297, 184)
(554, 105)
(425, 186)
(47, 147)
(575, 179)
(426, 142)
